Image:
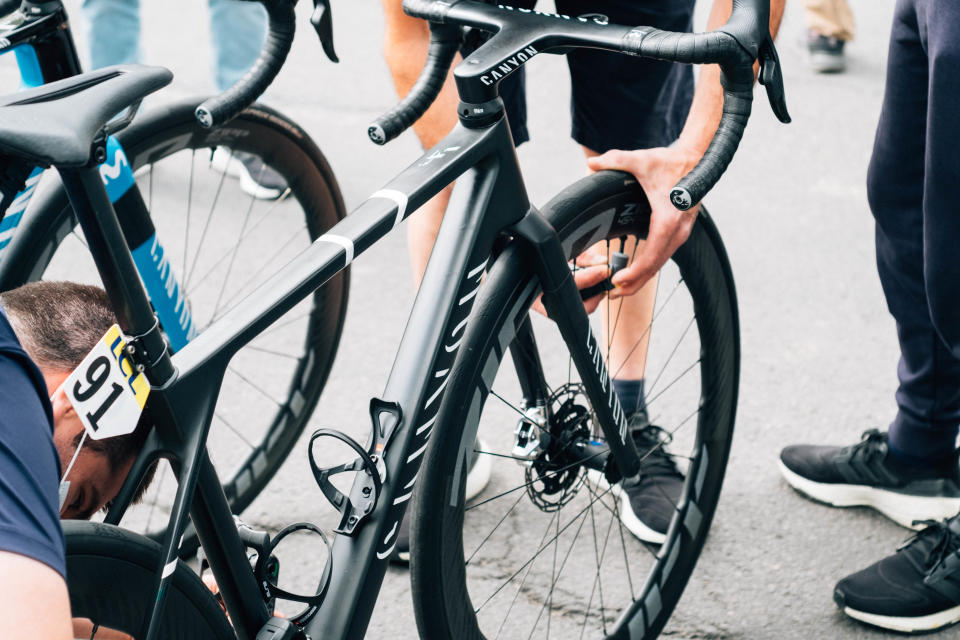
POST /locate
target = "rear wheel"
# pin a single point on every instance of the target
(221, 242)
(543, 552)
(110, 576)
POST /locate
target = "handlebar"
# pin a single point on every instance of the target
(444, 42)
(8, 6)
(281, 28)
(735, 46)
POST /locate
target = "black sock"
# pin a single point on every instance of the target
(630, 393)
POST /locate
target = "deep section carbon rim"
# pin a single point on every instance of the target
(547, 550)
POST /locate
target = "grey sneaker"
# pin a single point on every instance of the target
(256, 177)
(826, 54)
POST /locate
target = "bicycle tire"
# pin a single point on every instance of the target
(448, 583)
(110, 577)
(151, 141)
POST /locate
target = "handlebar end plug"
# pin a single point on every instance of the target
(680, 198)
(377, 134)
(204, 117)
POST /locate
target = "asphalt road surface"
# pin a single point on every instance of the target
(819, 349)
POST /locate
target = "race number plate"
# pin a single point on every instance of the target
(106, 390)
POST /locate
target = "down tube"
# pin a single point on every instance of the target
(416, 382)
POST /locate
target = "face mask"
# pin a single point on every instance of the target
(64, 483)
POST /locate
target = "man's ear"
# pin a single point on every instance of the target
(62, 409)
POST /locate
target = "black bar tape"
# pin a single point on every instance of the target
(443, 47)
(282, 25)
(691, 48)
(736, 63)
(695, 185)
(8, 6)
(430, 10)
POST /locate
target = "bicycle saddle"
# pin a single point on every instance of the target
(56, 124)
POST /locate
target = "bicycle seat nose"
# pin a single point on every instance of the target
(56, 124)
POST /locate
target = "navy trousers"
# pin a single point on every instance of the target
(914, 190)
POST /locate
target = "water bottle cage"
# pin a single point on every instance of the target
(266, 568)
(366, 487)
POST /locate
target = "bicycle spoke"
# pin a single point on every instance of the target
(672, 353)
(235, 430)
(542, 548)
(546, 475)
(226, 254)
(495, 527)
(186, 226)
(674, 381)
(233, 256)
(656, 314)
(262, 391)
(259, 272)
(509, 404)
(291, 356)
(206, 225)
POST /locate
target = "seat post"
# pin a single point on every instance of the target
(105, 240)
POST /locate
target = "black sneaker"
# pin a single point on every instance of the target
(866, 475)
(915, 589)
(478, 475)
(826, 54)
(647, 505)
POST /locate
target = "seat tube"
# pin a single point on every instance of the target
(104, 237)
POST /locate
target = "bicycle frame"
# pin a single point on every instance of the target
(494, 201)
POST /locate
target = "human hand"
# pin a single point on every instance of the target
(591, 268)
(657, 170)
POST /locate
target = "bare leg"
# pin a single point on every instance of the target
(405, 49)
(626, 321)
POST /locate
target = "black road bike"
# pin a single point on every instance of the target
(547, 552)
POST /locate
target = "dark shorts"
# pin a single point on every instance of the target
(618, 101)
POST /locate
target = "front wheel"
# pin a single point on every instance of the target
(545, 550)
(110, 577)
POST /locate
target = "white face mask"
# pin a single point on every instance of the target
(64, 483)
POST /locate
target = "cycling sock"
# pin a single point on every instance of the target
(630, 393)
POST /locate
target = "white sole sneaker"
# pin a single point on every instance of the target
(629, 519)
(930, 622)
(224, 161)
(478, 475)
(901, 508)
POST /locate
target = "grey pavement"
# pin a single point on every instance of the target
(819, 349)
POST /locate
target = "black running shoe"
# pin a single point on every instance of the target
(915, 589)
(867, 475)
(647, 504)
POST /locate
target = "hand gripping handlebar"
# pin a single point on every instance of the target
(282, 25)
(735, 46)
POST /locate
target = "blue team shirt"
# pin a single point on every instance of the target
(29, 465)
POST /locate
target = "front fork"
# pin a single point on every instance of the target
(564, 306)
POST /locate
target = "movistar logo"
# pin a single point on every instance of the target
(508, 66)
(112, 171)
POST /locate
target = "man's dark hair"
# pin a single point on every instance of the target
(58, 323)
